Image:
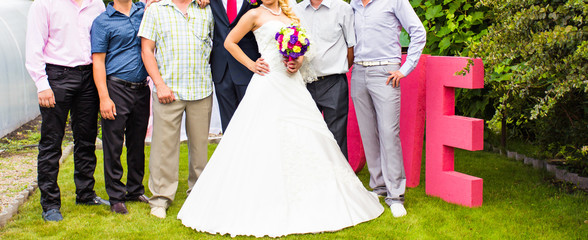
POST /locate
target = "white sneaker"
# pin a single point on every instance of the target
(397, 210)
(158, 212)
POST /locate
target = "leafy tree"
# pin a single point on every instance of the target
(535, 55)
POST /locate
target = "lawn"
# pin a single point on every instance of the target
(519, 203)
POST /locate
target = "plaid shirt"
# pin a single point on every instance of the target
(183, 47)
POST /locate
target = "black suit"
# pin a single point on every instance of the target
(229, 76)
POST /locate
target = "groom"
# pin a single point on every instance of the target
(229, 76)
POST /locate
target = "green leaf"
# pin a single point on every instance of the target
(415, 3)
(404, 38)
(477, 16)
(452, 26)
(467, 6)
(445, 43)
(443, 31)
(454, 6)
(433, 12)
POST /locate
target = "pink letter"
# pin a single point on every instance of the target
(446, 131)
(354, 145)
(412, 120)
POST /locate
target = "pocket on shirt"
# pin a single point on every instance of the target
(164, 34)
(329, 32)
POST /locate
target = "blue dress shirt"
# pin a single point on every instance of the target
(377, 28)
(115, 34)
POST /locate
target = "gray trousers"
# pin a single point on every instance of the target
(331, 95)
(377, 106)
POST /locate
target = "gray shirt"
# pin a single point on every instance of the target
(378, 27)
(330, 27)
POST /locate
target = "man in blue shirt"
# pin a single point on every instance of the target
(375, 89)
(120, 78)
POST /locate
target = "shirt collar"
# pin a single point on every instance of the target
(110, 9)
(169, 2)
(326, 3)
(359, 3)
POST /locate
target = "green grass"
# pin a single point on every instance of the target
(519, 203)
(526, 148)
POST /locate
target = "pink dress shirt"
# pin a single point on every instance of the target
(58, 33)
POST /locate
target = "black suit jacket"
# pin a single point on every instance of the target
(220, 58)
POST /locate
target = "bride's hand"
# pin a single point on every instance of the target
(203, 3)
(294, 65)
(260, 67)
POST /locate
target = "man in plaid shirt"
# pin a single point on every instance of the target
(181, 31)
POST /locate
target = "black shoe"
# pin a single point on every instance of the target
(381, 194)
(52, 215)
(119, 208)
(94, 201)
(141, 198)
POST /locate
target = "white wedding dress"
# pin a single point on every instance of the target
(277, 170)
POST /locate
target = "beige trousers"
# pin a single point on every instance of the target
(165, 146)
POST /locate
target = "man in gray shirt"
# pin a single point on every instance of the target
(375, 89)
(330, 23)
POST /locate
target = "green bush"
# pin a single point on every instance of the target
(535, 55)
(451, 24)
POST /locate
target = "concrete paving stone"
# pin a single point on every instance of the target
(583, 182)
(538, 163)
(550, 168)
(527, 160)
(571, 177)
(560, 174)
(4, 218)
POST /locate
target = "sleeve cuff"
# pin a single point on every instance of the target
(42, 85)
(405, 70)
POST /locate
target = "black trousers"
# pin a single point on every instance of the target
(331, 94)
(130, 126)
(228, 95)
(75, 93)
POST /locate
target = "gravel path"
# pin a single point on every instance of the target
(17, 172)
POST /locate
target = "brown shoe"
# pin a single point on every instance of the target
(119, 208)
(142, 198)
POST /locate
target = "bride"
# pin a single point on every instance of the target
(278, 170)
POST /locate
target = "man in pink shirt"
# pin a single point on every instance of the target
(58, 58)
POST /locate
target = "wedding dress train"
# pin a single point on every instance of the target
(277, 170)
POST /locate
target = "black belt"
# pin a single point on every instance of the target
(79, 68)
(131, 85)
(332, 75)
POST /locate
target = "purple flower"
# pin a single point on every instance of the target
(293, 39)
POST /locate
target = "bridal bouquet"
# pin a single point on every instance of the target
(292, 41)
(253, 2)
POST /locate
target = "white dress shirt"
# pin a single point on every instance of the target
(331, 32)
(378, 26)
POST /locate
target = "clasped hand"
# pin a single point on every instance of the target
(46, 98)
(292, 66)
(165, 94)
(107, 108)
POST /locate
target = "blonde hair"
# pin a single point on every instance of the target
(287, 10)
